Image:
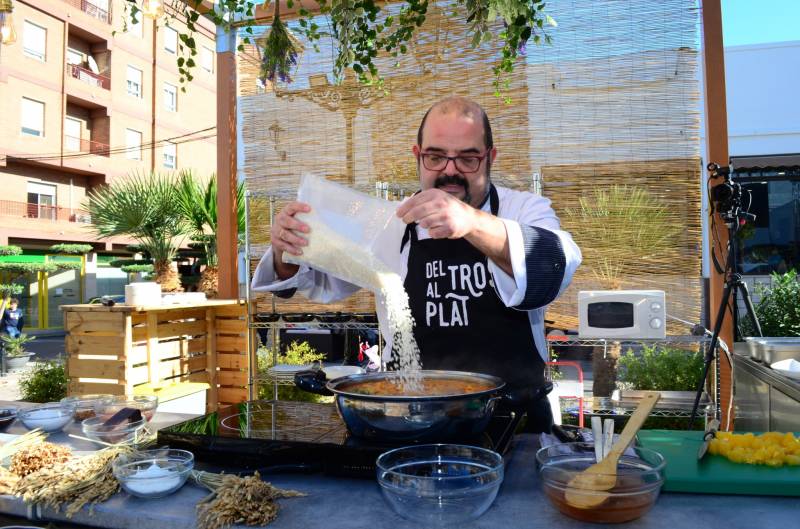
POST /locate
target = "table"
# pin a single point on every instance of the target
(357, 504)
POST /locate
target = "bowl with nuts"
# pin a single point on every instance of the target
(85, 404)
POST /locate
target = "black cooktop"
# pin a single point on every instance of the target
(284, 436)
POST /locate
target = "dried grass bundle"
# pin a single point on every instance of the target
(8, 480)
(236, 500)
(27, 440)
(79, 481)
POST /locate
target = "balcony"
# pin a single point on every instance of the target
(89, 77)
(75, 145)
(44, 212)
(92, 10)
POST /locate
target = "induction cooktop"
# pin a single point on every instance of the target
(286, 436)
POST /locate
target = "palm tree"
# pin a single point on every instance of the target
(198, 204)
(144, 206)
(617, 228)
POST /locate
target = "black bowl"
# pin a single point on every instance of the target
(298, 317)
(334, 317)
(267, 317)
(7, 416)
(369, 317)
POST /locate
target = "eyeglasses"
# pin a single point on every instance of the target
(465, 164)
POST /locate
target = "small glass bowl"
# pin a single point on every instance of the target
(50, 417)
(85, 404)
(640, 476)
(153, 473)
(123, 433)
(7, 416)
(440, 484)
(147, 404)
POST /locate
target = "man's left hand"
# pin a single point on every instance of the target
(444, 216)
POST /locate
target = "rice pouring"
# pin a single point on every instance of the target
(342, 257)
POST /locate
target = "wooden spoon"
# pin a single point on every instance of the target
(585, 490)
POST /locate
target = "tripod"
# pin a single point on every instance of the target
(728, 202)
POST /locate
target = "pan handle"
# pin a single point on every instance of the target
(313, 381)
(522, 397)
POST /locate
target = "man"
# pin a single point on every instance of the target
(13, 319)
(481, 261)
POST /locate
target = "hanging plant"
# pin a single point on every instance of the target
(280, 52)
(361, 29)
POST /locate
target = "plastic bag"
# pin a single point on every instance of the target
(354, 236)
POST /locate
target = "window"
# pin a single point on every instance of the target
(74, 57)
(34, 40)
(32, 117)
(207, 59)
(133, 144)
(41, 201)
(170, 39)
(170, 97)
(135, 27)
(134, 82)
(72, 134)
(170, 155)
(771, 243)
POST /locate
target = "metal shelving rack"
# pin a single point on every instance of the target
(276, 378)
(614, 408)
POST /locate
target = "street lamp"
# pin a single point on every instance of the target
(8, 35)
(153, 8)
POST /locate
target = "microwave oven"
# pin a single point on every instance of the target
(622, 314)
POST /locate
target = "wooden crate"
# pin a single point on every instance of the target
(115, 349)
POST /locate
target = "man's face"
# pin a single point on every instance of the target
(453, 134)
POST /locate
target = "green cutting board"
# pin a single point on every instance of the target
(715, 474)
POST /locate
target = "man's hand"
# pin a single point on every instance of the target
(444, 216)
(285, 237)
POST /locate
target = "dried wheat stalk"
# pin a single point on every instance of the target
(80, 481)
(236, 500)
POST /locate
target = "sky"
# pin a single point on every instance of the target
(760, 21)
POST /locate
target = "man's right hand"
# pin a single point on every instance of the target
(285, 237)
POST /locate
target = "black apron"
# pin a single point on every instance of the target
(460, 322)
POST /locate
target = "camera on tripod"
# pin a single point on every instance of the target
(726, 197)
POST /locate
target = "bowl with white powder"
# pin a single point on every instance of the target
(50, 417)
(153, 473)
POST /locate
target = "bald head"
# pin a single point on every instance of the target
(460, 106)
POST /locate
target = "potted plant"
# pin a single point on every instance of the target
(672, 371)
(778, 311)
(14, 350)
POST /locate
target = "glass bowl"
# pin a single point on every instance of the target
(7, 416)
(147, 404)
(440, 484)
(125, 432)
(153, 473)
(640, 475)
(85, 404)
(50, 417)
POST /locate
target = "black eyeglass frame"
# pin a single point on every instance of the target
(455, 159)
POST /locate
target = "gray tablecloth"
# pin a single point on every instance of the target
(356, 504)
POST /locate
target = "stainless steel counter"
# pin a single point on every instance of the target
(765, 400)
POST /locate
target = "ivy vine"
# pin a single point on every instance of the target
(359, 30)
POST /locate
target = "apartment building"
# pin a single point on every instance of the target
(83, 103)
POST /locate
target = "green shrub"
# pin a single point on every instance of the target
(298, 354)
(659, 368)
(46, 382)
(778, 311)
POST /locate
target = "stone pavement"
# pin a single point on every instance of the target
(9, 384)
